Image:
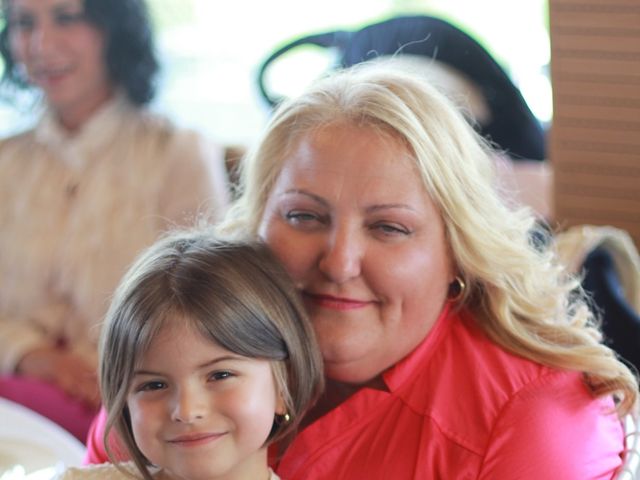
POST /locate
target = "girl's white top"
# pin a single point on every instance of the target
(108, 471)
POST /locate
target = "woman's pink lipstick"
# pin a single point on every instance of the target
(335, 303)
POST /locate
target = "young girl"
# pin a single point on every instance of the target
(207, 357)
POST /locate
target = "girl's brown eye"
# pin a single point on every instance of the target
(151, 386)
(221, 375)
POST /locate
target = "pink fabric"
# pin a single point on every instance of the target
(459, 407)
(49, 401)
(96, 453)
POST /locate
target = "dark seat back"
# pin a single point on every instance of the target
(620, 322)
(512, 126)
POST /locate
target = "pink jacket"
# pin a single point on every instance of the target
(460, 407)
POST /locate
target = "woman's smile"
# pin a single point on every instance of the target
(47, 78)
(335, 303)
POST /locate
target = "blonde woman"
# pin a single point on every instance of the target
(454, 346)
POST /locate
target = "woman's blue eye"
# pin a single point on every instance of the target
(297, 216)
(391, 229)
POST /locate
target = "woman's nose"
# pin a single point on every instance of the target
(342, 256)
(188, 406)
(42, 38)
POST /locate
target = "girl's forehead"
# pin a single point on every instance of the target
(180, 340)
(166, 327)
(178, 326)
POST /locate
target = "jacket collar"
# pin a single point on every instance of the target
(77, 148)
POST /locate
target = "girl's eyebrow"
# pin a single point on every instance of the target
(221, 359)
(205, 365)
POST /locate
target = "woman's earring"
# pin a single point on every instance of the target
(456, 289)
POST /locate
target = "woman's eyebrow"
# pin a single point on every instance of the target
(67, 5)
(313, 196)
(388, 206)
(369, 209)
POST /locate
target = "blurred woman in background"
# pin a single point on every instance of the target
(81, 193)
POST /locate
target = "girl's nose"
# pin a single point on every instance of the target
(188, 406)
(342, 256)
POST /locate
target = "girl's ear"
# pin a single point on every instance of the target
(278, 370)
(281, 406)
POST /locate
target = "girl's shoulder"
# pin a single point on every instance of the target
(104, 471)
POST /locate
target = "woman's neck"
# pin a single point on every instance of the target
(73, 117)
(336, 393)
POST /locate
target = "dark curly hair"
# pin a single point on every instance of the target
(129, 46)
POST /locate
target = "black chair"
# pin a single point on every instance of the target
(512, 125)
(620, 322)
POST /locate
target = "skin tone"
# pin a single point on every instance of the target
(63, 55)
(351, 221)
(201, 412)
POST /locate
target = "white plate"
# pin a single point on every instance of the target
(32, 446)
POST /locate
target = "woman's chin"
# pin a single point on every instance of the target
(350, 371)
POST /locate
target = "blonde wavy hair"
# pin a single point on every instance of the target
(523, 299)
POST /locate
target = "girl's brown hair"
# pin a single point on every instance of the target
(234, 293)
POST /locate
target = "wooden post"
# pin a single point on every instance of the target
(595, 134)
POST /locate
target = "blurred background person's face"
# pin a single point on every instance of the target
(62, 54)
